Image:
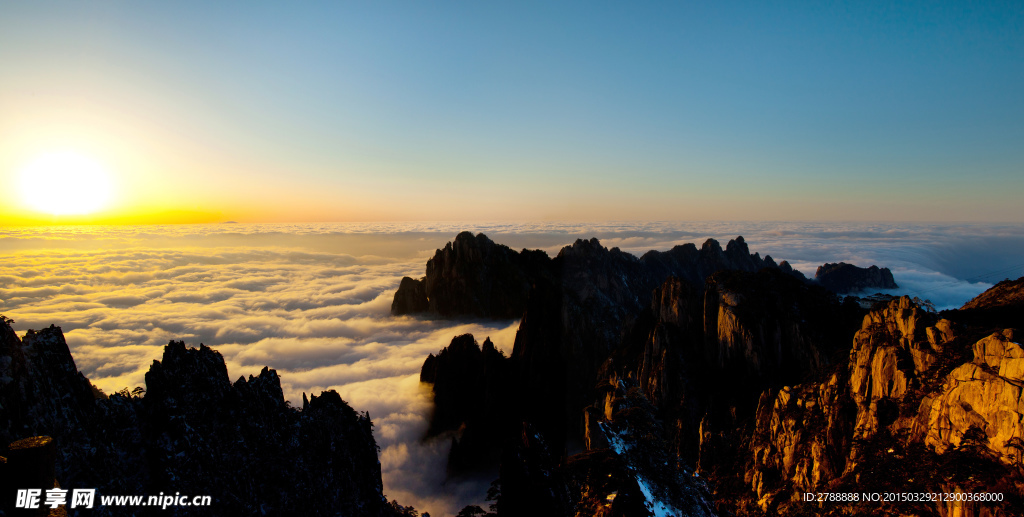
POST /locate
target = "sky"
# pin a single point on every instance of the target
(526, 111)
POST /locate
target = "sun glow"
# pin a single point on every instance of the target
(66, 183)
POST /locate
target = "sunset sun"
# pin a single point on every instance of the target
(66, 183)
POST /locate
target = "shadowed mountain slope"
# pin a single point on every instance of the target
(193, 432)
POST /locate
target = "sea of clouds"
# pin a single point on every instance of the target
(313, 301)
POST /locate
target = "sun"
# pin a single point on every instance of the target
(66, 183)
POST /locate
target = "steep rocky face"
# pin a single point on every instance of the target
(568, 332)
(769, 327)
(205, 429)
(336, 462)
(36, 373)
(703, 357)
(467, 379)
(631, 467)
(802, 435)
(192, 432)
(411, 297)
(572, 327)
(892, 352)
(843, 278)
(916, 390)
(984, 394)
(673, 341)
(472, 396)
(41, 391)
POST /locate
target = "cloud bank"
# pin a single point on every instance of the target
(313, 302)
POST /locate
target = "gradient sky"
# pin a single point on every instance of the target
(362, 111)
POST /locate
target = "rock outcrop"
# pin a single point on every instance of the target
(915, 389)
(770, 327)
(842, 278)
(473, 276)
(984, 394)
(472, 400)
(192, 432)
(411, 297)
(43, 394)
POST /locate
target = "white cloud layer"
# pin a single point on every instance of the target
(313, 301)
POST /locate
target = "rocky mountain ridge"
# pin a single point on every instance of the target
(759, 386)
(474, 276)
(192, 432)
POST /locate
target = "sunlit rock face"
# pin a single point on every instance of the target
(892, 351)
(986, 394)
(192, 432)
(1005, 294)
(802, 435)
(843, 278)
(922, 399)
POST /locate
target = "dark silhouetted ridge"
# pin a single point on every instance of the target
(192, 432)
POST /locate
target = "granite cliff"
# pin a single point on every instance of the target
(921, 401)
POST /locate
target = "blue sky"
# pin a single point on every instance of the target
(531, 110)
